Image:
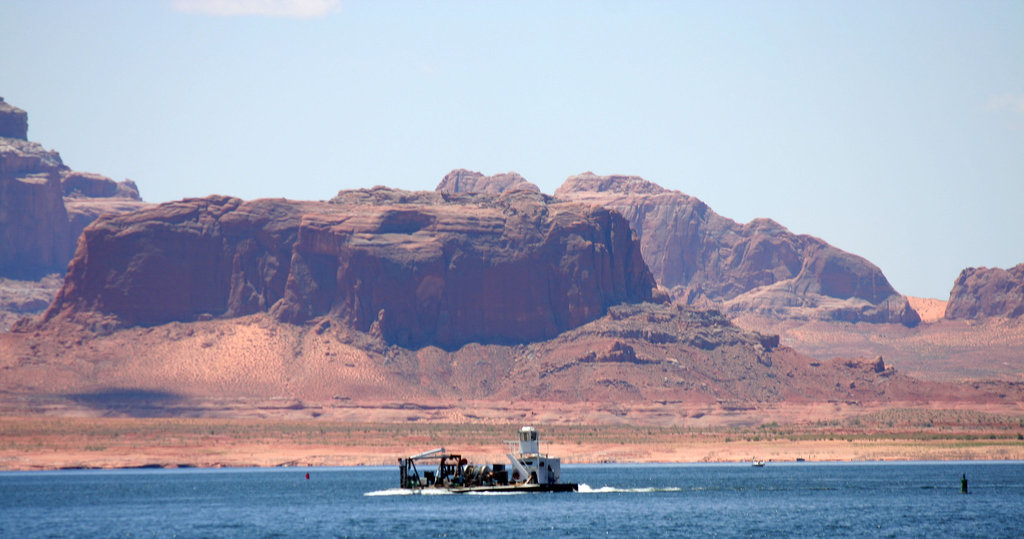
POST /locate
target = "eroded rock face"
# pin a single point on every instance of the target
(35, 237)
(467, 181)
(760, 266)
(416, 268)
(180, 261)
(37, 230)
(987, 292)
(13, 121)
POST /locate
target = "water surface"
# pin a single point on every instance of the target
(729, 500)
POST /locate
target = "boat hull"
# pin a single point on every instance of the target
(555, 487)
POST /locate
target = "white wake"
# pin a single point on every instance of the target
(583, 489)
(587, 489)
(409, 492)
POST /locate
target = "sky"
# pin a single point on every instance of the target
(892, 130)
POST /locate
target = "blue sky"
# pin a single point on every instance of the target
(894, 130)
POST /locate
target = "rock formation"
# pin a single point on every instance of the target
(180, 260)
(707, 259)
(38, 230)
(35, 237)
(13, 122)
(987, 292)
(88, 195)
(89, 185)
(466, 181)
(415, 268)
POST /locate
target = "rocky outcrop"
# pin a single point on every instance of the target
(760, 266)
(37, 230)
(987, 292)
(89, 185)
(415, 268)
(467, 181)
(13, 122)
(35, 237)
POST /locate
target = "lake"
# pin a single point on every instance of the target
(729, 500)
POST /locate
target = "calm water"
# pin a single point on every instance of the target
(793, 499)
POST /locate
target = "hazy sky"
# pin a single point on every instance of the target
(893, 129)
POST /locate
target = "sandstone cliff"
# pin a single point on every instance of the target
(37, 230)
(415, 268)
(987, 292)
(35, 236)
(707, 259)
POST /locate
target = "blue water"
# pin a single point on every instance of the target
(726, 500)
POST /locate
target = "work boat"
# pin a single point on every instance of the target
(528, 470)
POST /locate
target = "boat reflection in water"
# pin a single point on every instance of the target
(528, 470)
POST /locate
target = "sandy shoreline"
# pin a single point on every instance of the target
(252, 457)
(32, 443)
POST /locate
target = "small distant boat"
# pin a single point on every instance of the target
(757, 463)
(528, 470)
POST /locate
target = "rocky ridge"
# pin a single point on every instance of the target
(760, 267)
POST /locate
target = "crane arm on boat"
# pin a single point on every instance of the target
(426, 454)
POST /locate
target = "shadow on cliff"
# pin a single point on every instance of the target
(131, 402)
